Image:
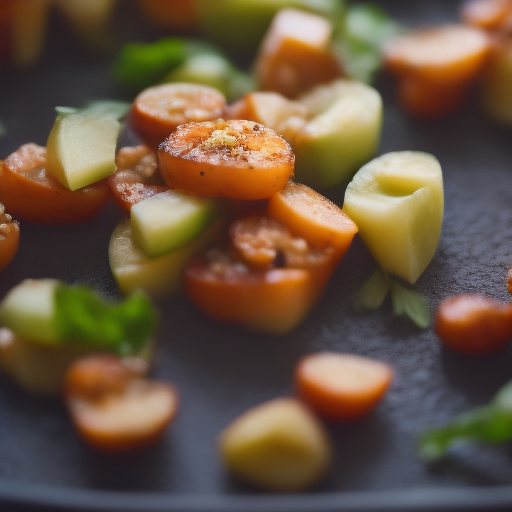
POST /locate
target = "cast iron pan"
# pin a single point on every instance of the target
(221, 371)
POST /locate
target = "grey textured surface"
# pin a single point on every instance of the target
(221, 371)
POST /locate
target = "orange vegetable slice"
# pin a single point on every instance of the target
(158, 111)
(237, 159)
(341, 387)
(474, 324)
(488, 14)
(295, 55)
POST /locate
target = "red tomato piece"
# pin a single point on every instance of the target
(30, 193)
(9, 238)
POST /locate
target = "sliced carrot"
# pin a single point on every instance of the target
(159, 110)
(237, 159)
(310, 215)
(474, 324)
(450, 54)
(488, 14)
(295, 55)
(425, 100)
(341, 387)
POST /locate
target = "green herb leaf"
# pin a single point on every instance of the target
(410, 303)
(489, 424)
(373, 292)
(358, 42)
(82, 316)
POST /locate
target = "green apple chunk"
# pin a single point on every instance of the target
(164, 222)
(397, 203)
(244, 22)
(159, 277)
(342, 134)
(81, 148)
(28, 309)
(278, 445)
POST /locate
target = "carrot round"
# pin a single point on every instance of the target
(341, 387)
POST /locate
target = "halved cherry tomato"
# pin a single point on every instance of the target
(237, 159)
(159, 110)
(474, 324)
(113, 408)
(30, 193)
(488, 14)
(9, 238)
(342, 387)
(308, 214)
(137, 176)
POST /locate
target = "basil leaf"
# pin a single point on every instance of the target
(82, 316)
(489, 424)
(373, 292)
(410, 303)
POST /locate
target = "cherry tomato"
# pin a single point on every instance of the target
(237, 159)
(137, 176)
(474, 324)
(9, 238)
(158, 111)
(30, 193)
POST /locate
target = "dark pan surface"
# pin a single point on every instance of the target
(222, 371)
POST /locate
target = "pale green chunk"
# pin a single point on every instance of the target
(81, 148)
(397, 203)
(164, 222)
(29, 310)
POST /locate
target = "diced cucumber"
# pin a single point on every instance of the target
(29, 310)
(81, 148)
(167, 221)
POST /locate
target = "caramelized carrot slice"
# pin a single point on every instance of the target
(29, 193)
(474, 324)
(342, 387)
(310, 215)
(237, 159)
(450, 54)
(137, 176)
(159, 110)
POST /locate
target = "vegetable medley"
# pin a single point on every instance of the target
(222, 202)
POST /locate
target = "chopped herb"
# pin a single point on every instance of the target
(373, 292)
(360, 37)
(82, 316)
(489, 424)
(410, 303)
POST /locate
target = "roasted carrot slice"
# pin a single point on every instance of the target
(159, 110)
(341, 387)
(237, 159)
(137, 176)
(450, 54)
(474, 324)
(29, 193)
(310, 215)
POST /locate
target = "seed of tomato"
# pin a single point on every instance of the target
(29, 193)
(9, 238)
(137, 176)
(237, 159)
(158, 111)
(474, 324)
